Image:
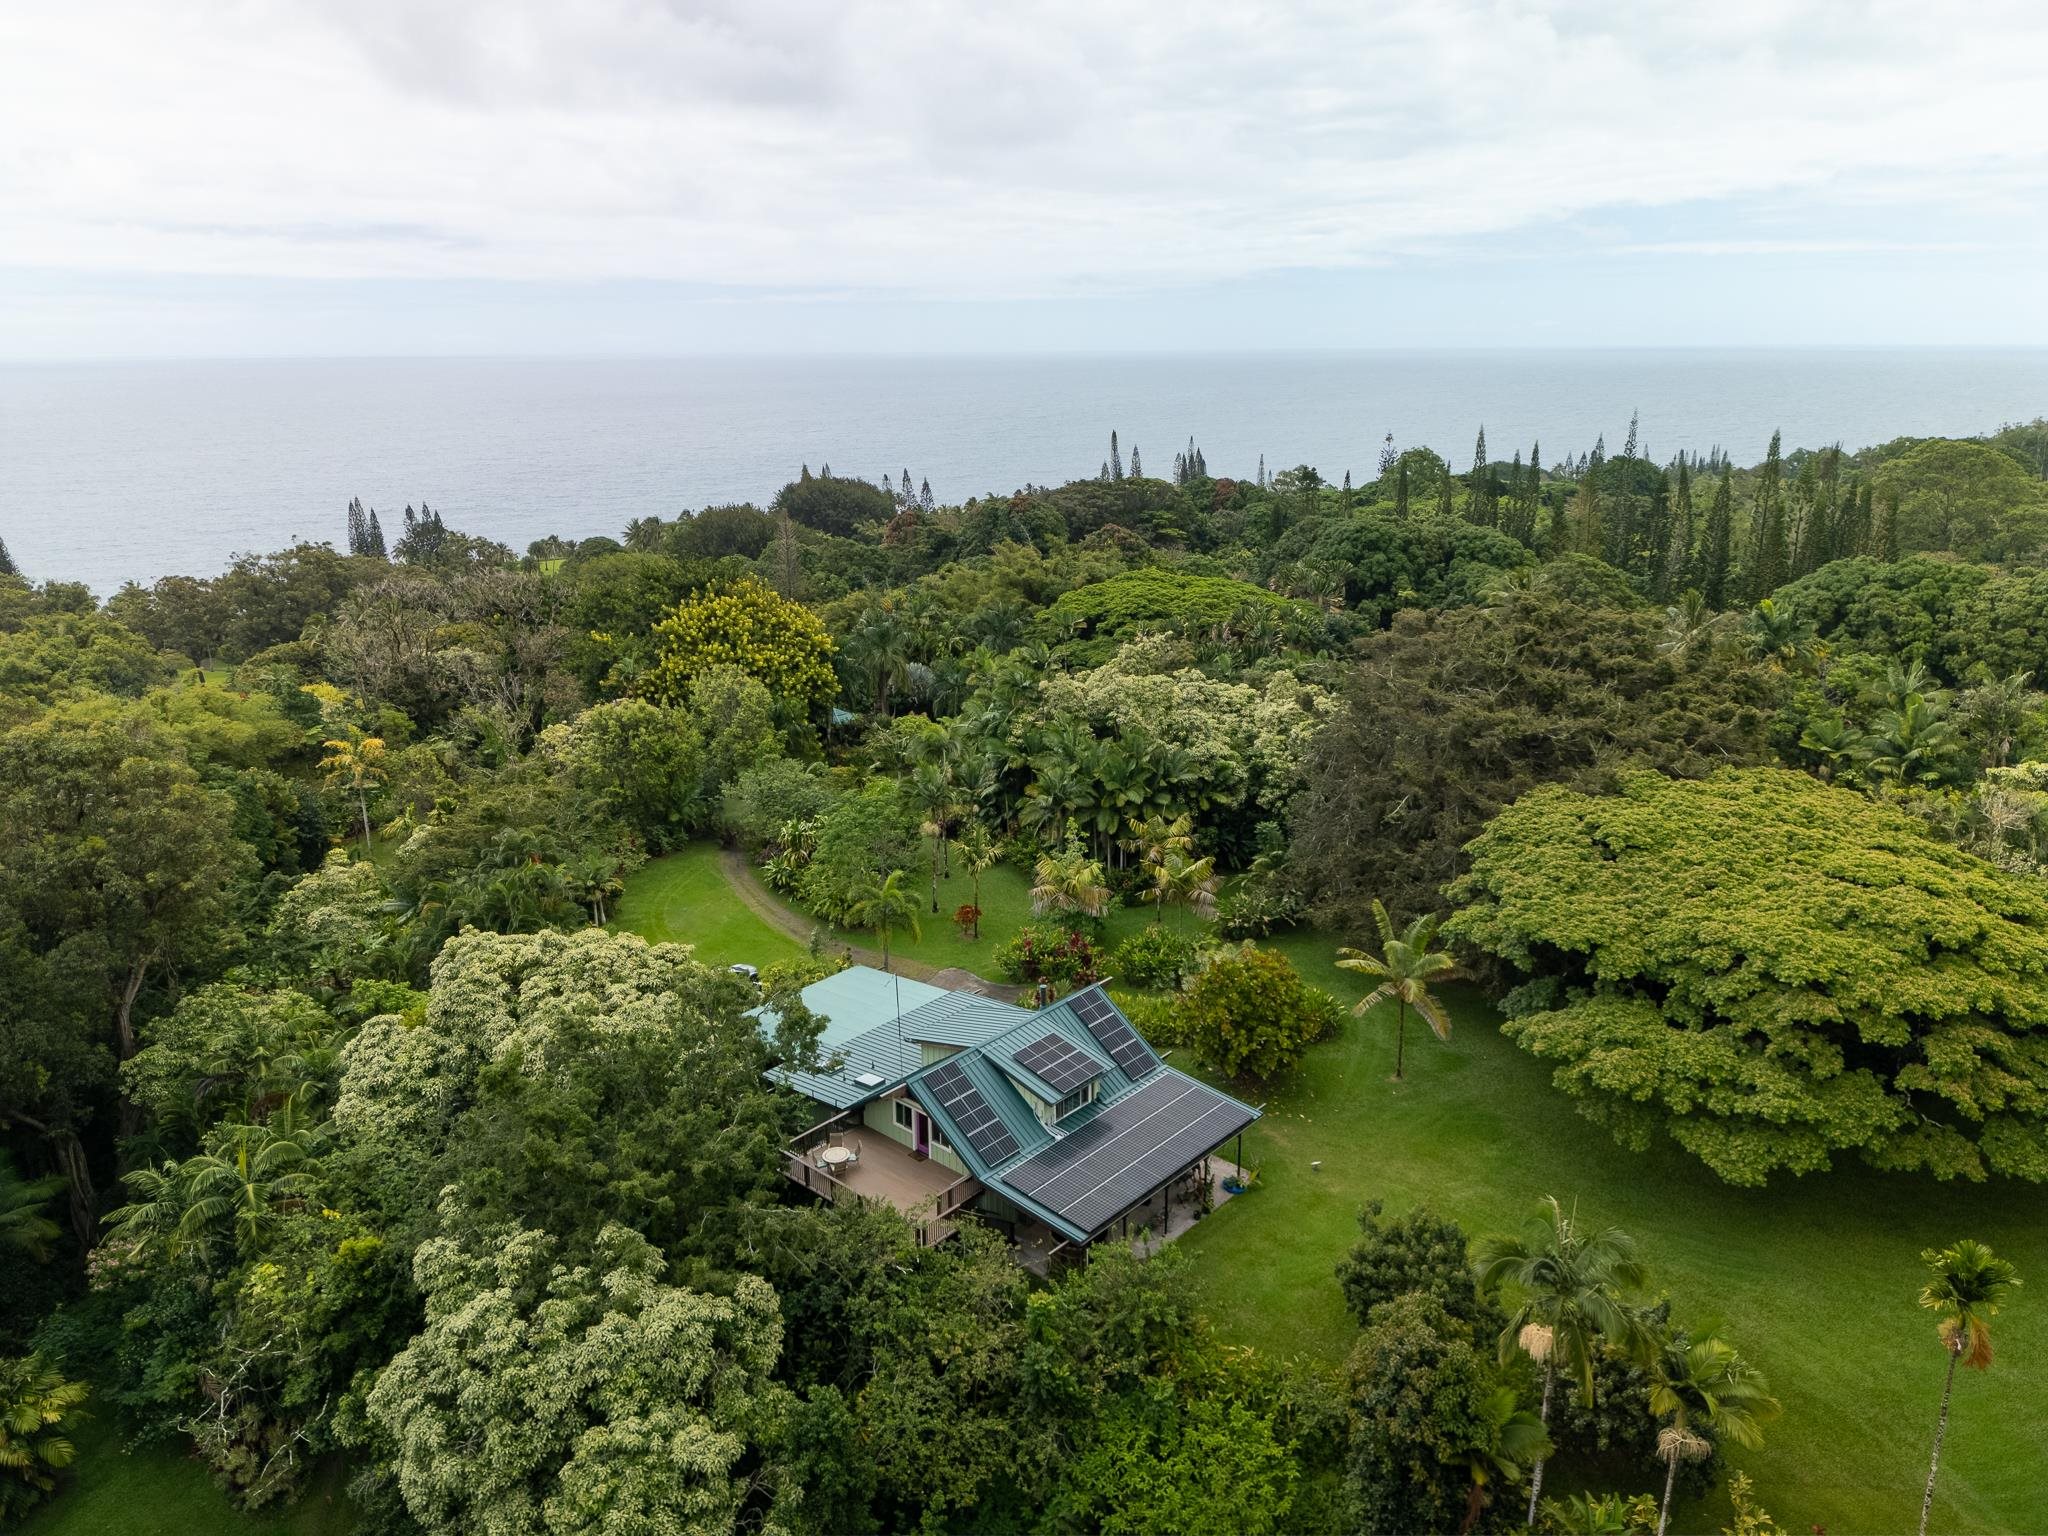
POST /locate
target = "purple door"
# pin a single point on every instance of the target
(921, 1132)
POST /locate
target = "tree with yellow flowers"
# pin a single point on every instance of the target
(355, 762)
(753, 628)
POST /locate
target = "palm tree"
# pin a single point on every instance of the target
(35, 1401)
(1588, 1514)
(885, 903)
(1703, 1384)
(1689, 625)
(1566, 1283)
(356, 763)
(1069, 881)
(1166, 851)
(25, 1226)
(1970, 1283)
(1406, 965)
(248, 1177)
(978, 854)
(1506, 1439)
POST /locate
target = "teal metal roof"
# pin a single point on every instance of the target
(1188, 1107)
(861, 998)
(1102, 1159)
(874, 1047)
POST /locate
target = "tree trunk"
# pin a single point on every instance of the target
(1536, 1477)
(130, 1119)
(363, 804)
(1670, 1477)
(1955, 1353)
(1400, 1035)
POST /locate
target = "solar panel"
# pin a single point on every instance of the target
(1060, 1064)
(971, 1114)
(1113, 1034)
(1128, 1150)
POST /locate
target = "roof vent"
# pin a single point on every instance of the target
(869, 1080)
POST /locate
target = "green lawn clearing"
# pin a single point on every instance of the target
(1815, 1278)
(158, 1491)
(683, 898)
(1005, 907)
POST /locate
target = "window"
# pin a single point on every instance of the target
(903, 1113)
(1085, 1094)
(939, 1137)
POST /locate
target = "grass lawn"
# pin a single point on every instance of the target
(160, 1492)
(1815, 1278)
(683, 898)
(1005, 907)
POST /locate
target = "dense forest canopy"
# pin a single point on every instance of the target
(340, 1125)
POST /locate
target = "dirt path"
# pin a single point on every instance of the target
(766, 905)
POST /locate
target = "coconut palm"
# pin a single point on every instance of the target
(883, 905)
(25, 1226)
(1565, 1285)
(1968, 1286)
(1069, 881)
(1701, 1386)
(978, 853)
(247, 1179)
(1405, 966)
(356, 763)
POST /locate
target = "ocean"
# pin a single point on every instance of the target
(127, 471)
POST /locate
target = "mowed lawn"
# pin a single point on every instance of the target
(683, 898)
(159, 1491)
(1815, 1278)
(1005, 908)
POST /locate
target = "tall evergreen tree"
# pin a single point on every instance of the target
(1116, 459)
(1388, 457)
(1809, 521)
(1588, 526)
(1444, 507)
(1764, 571)
(924, 494)
(1201, 465)
(375, 545)
(1262, 471)
(1884, 537)
(1676, 575)
(903, 487)
(1346, 502)
(7, 565)
(358, 526)
(1137, 468)
(1717, 549)
(1482, 510)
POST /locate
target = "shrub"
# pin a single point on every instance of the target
(1050, 951)
(1156, 957)
(1249, 1013)
(764, 798)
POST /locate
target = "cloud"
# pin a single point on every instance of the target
(945, 151)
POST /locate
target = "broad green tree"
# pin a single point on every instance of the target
(1405, 967)
(1704, 958)
(1565, 1286)
(547, 1397)
(1966, 1286)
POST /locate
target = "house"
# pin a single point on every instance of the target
(1059, 1124)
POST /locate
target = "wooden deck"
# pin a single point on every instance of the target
(924, 1191)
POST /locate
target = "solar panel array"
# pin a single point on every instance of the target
(1113, 1034)
(1128, 1150)
(1060, 1064)
(970, 1112)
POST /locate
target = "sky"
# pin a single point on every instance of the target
(385, 177)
